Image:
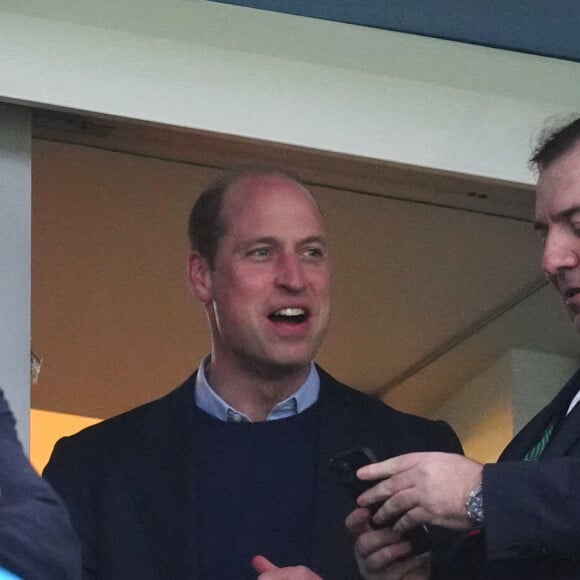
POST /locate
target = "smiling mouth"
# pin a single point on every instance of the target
(291, 315)
(570, 293)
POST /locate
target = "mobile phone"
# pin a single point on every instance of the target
(344, 467)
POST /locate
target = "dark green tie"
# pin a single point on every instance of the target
(536, 451)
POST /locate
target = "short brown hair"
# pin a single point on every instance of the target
(206, 221)
(554, 143)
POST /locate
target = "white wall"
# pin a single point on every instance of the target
(15, 262)
(498, 402)
(481, 412)
(285, 78)
(536, 378)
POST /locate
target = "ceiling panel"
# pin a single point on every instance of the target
(534, 26)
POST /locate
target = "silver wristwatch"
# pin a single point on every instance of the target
(474, 506)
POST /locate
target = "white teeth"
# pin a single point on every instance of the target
(290, 312)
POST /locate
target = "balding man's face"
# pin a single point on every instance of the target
(270, 289)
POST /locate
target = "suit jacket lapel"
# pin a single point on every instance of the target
(566, 435)
(160, 475)
(533, 431)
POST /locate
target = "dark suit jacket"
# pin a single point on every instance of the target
(129, 482)
(37, 541)
(532, 509)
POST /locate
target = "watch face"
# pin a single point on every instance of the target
(475, 506)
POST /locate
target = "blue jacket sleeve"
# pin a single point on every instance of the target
(37, 541)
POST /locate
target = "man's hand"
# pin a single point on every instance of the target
(422, 488)
(269, 571)
(383, 554)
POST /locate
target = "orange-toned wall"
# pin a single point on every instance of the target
(46, 428)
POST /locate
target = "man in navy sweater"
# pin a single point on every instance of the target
(37, 541)
(227, 476)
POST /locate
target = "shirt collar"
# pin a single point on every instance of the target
(210, 402)
(574, 402)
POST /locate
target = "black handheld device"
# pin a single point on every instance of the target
(345, 465)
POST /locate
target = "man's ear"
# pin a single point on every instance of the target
(200, 279)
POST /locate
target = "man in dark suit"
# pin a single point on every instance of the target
(37, 541)
(227, 476)
(522, 513)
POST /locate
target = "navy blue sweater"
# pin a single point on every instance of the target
(255, 492)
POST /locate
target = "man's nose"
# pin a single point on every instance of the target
(290, 273)
(558, 256)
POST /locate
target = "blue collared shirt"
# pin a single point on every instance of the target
(210, 402)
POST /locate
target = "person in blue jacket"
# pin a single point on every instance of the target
(37, 541)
